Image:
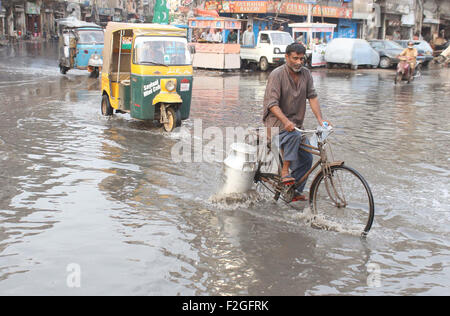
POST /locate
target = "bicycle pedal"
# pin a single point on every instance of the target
(288, 184)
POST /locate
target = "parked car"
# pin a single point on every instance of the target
(269, 50)
(353, 52)
(423, 48)
(388, 51)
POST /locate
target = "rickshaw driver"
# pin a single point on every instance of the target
(153, 52)
(287, 89)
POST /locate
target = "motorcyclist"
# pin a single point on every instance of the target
(411, 54)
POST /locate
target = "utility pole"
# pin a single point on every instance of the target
(94, 12)
(419, 16)
(310, 8)
(310, 19)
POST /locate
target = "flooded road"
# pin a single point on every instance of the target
(91, 205)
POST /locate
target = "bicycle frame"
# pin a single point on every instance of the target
(323, 161)
(332, 178)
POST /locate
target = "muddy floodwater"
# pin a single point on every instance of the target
(94, 205)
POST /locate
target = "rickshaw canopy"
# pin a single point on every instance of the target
(72, 22)
(150, 29)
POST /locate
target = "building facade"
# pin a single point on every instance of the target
(413, 18)
(354, 18)
(37, 18)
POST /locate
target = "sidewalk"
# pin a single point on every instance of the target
(6, 42)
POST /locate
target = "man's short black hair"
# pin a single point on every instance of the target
(295, 48)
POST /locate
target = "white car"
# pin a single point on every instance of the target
(269, 50)
(353, 52)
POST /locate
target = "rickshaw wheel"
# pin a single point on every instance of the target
(178, 118)
(107, 110)
(172, 118)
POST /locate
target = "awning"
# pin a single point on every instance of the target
(312, 27)
(431, 21)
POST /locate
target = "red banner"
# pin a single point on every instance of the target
(291, 8)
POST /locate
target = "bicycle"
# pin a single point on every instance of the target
(337, 192)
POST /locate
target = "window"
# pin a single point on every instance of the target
(392, 45)
(91, 37)
(281, 38)
(377, 45)
(161, 50)
(265, 38)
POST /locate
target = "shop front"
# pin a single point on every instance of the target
(48, 26)
(18, 18)
(445, 18)
(398, 19)
(274, 14)
(430, 25)
(33, 18)
(2, 20)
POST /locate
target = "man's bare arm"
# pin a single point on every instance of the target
(288, 125)
(315, 107)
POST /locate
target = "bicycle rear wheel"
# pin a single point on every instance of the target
(343, 197)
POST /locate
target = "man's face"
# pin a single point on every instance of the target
(295, 61)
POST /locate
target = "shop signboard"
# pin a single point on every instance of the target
(206, 24)
(232, 25)
(347, 29)
(403, 7)
(32, 8)
(318, 10)
(291, 8)
(214, 24)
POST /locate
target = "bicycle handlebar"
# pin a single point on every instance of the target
(311, 130)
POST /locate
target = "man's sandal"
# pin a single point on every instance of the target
(299, 197)
(287, 180)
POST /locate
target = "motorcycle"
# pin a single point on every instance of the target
(404, 72)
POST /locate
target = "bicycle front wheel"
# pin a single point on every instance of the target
(343, 196)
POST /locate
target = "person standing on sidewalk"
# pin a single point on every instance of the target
(248, 39)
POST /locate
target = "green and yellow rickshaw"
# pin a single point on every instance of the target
(147, 72)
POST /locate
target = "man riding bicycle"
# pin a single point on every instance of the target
(287, 89)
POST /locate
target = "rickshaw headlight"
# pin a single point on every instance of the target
(170, 85)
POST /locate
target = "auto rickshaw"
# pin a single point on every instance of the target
(80, 46)
(147, 72)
